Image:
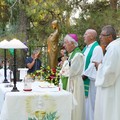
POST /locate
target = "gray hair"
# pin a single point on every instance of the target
(110, 31)
(93, 33)
(68, 38)
(35, 51)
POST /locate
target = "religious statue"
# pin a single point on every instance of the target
(52, 43)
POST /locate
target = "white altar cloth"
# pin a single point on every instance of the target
(35, 105)
(23, 73)
(7, 73)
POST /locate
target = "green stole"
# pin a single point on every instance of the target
(87, 80)
(65, 79)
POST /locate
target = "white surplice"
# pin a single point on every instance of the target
(91, 72)
(107, 105)
(75, 85)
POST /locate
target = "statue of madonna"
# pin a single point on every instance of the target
(52, 44)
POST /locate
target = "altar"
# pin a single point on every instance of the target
(42, 103)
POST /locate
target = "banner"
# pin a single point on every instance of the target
(11, 51)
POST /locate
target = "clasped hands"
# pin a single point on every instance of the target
(84, 77)
(96, 64)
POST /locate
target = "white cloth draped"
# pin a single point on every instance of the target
(2, 77)
(34, 104)
(23, 72)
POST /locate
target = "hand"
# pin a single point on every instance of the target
(36, 55)
(64, 58)
(84, 77)
(96, 64)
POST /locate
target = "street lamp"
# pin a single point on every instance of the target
(3, 45)
(15, 44)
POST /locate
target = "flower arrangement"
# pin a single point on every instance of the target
(47, 74)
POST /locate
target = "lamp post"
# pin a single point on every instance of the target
(14, 73)
(12, 44)
(15, 44)
(3, 45)
(5, 68)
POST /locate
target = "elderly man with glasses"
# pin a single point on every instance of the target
(108, 77)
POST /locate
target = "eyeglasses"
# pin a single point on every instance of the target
(104, 35)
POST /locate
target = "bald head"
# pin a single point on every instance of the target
(90, 36)
(93, 33)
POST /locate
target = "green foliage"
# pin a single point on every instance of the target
(95, 16)
(30, 20)
(31, 118)
(50, 116)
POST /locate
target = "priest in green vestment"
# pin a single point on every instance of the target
(92, 52)
(71, 71)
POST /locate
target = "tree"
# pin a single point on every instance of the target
(30, 20)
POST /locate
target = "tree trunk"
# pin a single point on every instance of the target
(23, 36)
(113, 4)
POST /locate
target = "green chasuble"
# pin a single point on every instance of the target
(65, 79)
(87, 81)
